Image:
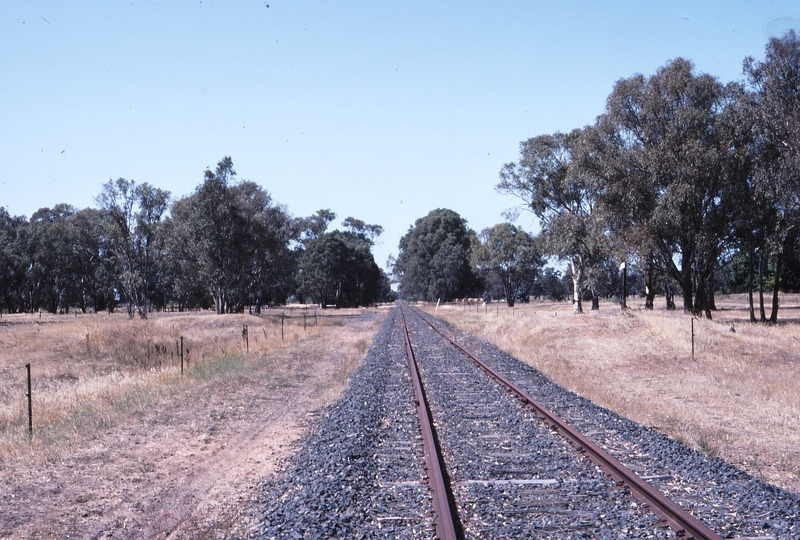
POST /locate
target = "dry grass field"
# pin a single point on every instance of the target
(739, 398)
(125, 446)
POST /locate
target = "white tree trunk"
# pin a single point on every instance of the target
(576, 267)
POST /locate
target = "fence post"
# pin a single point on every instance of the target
(692, 338)
(30, 404)
(181, 355)
(283, 313)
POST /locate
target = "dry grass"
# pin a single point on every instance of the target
(739, 398)
(92, 372)
(126, 447)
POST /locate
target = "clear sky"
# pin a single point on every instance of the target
(381, 110)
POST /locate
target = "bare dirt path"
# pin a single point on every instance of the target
(186, 467)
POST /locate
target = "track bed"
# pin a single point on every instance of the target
(363, 473)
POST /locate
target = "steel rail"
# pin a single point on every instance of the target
(682, 522)
(443, 517)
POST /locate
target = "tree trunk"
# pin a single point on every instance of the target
(688, 301)
(773, 318)
(761, 284)
(686, 288)
(702, 302)
(595, 301)
(131, 309)
(649, 292)
(577, 307)
(750, 285)
(146, 284)
(624, 300)
(509, 288)
(669, 296)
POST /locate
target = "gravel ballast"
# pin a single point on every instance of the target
(360, 474)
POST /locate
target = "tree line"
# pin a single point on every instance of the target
(228, 246)
(692, 184)
(441, 258)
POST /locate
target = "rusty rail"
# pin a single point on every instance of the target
(444, 516)
(682, 522)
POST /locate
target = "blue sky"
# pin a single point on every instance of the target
(380, 110)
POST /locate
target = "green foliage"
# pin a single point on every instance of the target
(46, 243)
(227, 245)
(232, 241)
(553, 182)
(337, 268)
(775, 120)
(12, 263)
(509, 255)
(550, 284)
(132, 222)
(673, 166)
(434, 258)
(54, 260)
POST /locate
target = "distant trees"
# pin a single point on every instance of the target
(337, 267)
(12, 265)
(46, 244)
(694, 183)
(508, 254)
(434, 258)
(234, 240)
(132, 223)
(227, 245)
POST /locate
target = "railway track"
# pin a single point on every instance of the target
(509, 469)
(448, 526)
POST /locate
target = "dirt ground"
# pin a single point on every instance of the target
(187, 465)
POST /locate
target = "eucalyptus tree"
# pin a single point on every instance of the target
(433, 261)
(358, 227)
(210, 236)
(54, 261)
(337, 267)
(94, 270)
(132, 218)
(775, 82)
(47, 242)
(12, 262)
(316, 225)
(673, 163)
(510, 255)
(233, 240)
(553, 183)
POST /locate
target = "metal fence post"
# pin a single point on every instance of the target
(30, 403)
